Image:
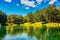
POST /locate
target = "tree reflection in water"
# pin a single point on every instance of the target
(43, 33)
(2, 32)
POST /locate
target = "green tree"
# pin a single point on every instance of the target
(39, 16)
(49, 14)
(30, 17)
(3, 18)
(52, 13)
(16, 19)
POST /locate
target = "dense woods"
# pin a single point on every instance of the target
(46, 15)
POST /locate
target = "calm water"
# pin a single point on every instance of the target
(22, 36)
(39, 34)
(4, 35)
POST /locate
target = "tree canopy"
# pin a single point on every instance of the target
(3, 18)
(49, 14)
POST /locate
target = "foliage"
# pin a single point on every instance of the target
(3, 18)
(15, 19)
(46, 15)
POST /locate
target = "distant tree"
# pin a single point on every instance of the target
(30, 17)
(24, 19)
(49, 14)
(11, 18)
(3, 18)
(16, 19)
(52, 13)
(40, 16)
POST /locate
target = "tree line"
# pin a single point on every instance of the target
(46, 15)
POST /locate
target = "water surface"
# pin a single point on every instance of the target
(22, 36)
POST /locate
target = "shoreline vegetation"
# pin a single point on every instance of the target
(43, 24)
(50, 14)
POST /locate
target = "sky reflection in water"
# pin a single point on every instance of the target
(22, 36)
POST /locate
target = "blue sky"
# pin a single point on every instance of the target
(22, 7)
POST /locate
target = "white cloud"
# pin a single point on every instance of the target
(39, 1)
(26, 7)
(28, 3)
(34, 4)
(52, 1)
(8, 1)
(17, 5)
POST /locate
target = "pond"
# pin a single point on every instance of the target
(38, 34)
(4, 35)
